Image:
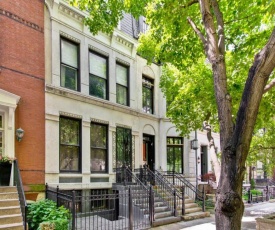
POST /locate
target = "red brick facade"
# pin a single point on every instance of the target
(22, 71)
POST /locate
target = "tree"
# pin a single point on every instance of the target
(206, 48)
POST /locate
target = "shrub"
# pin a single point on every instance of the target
(44, 211)
(54, 225)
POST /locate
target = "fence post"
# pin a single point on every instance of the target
(57, 196)
(46, 192)
(175, 202)
(267, 193)
(73, 211)
(249, 196)
(130, 210)
(183, 201)
(173, 177)
(203, 201)
(151, 206)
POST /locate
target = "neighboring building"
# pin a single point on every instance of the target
(104, 108)
(22, 94)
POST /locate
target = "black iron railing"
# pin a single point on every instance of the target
(179, 181)
(111, 209)
(17, 181)
(260, 194)
(162, 189)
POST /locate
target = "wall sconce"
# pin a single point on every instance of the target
(199, 160)
(194, 144)
(19, 134)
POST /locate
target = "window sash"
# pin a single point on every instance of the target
(99, 148)
(69, 77)
(70, 139)
(98, 65)
(121, 95)
(69, 53)
(122, 75)
(97, 86)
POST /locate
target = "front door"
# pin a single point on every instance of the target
(204, 159)
(148, 154)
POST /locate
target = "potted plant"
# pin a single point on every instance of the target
(5, 170)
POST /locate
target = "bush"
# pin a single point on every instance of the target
(252, 184)
(254, 192)
(45, 211)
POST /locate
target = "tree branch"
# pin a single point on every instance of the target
(269, 86)
(220, 22)
(190, 3)
(197, 31)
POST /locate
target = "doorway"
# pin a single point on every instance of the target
(148, 152)
(204, 160)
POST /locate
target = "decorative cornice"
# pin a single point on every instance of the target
(124, 41)
(93, 48)
(21, 20)
(123, 126)
(122, 62)
(99, 121)
(69, 11)
(69, 37)
(70, 115)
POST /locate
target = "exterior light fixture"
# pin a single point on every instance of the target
(19, 134)
(194, 144)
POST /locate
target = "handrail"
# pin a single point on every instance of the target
(17, 180)
(162, 189)
(179, 179)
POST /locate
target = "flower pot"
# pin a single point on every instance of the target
(5, 174)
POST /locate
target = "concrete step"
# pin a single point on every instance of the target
(5, 189)
(195, 215)
(166, 220)
(192, 210)
(9, 202)
(8, 195)
(15, 226)
(10, 210)
(11, 219)
(163, 214)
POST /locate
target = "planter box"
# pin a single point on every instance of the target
(267, 222)
(5, 174)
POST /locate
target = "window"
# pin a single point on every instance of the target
(69, 65)
(98, 76)
(70, 130)
(1, 134)
(99, 147)
(147, 95)
(175, 154)
(123, 147)
(122, 87)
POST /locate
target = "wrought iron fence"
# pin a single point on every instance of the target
(104, 209)
(260, 194)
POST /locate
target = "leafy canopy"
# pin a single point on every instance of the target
(187, 76)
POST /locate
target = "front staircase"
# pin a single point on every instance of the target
(10, 211)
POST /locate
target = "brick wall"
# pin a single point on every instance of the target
(22, 73)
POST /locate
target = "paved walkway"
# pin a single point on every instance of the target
(252, 211)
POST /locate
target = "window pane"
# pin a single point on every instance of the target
(98, 159)
(1, 122)
(69, 131)
(98, 136)
(68, 77)
(97, 87)
(69, 158)
(1, 142)
(69, 53)
(147, 100)
(98, 65)
(123, 147)
(121, 95)
(121, 75)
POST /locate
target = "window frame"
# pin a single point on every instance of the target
(128, 85)
(107, 74)
(106, 149)
(2, 130)
(145, 84)
(79, 146)
(69, 66)
(175, 145)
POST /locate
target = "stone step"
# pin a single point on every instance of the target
(10, 210)
(9, 202)
(160, 215)
(192, 210)
(166, 220)
(11, 219)
(8, 195)
(6, 189)
(15, 226)
(195, 215)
